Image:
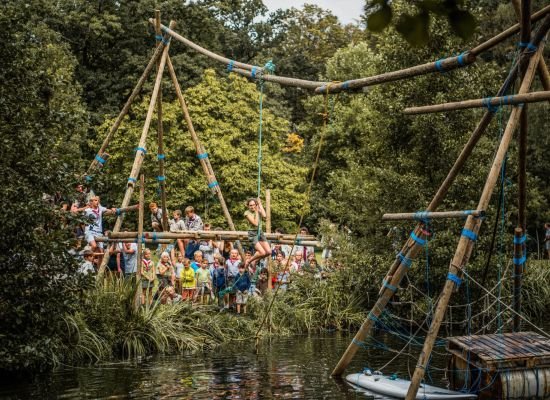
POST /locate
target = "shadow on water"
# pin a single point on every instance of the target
(285, 368)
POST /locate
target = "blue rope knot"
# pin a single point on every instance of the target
(530, 46)
(133, 180)
(161, 157)
(345, 85)
(230, 65)
(253, 72)
(418, 240)
(154, 236)
(486, 102)
(88, 178)
(213, 184)
(161, 178)
(99, 159)
(298, 241)
(520, 240)
(521, 260)
(454, 278)
(202, 156)
(269, 67)
(439, 65)
(389, 286)
(469, 234)
(142, 149)
(166, 42)
(407, 262)
(158, 38)
(422, 216)
(118, 211)
(461, 60)
(372, 317)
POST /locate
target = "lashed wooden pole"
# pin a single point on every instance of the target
(140, 152)
(161, 178)
(427, 215)
(412, 247)
(533, 97)
(470, 231)
(126, 108)
(141, 217)
(216, 235)
(201, 154)
(519, 264)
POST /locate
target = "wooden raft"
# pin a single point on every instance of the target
(501, 366)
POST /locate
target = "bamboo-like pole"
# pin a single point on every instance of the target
(268, 211)
(160, 137)
(542, 69)
(138, 160)
(312, 243)
(519, 262)
(533, 97)
(135, 207)
(471, 229)
(141, 217)
(201, 154)
(215, 235)
(127, 105)
(411, 248)
(255, 72)
(427, 215)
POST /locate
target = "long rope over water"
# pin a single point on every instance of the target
(326, 118)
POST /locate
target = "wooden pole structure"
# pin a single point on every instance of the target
(141, 217)
(152, 62)
(471, 229)
(542, 69)
(318, 87)
(427, 215)
(160, 135)
(412, 247)
(519, 264)
(140, 152)
(201, 154)
(214, 235)
(135, 207)
(532, 97)
(268, 211)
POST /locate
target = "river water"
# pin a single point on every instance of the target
(295, 367)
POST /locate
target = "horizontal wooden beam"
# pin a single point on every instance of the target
(426, 215)
(488, 102)
(214, 235)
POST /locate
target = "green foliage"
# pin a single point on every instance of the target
(225, 116)
(42, 124)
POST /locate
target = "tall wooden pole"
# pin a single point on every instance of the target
(141, 217)
(161, 156)
(201, 154)
(519, 263)
(127, 105)
(140, 153)
(469, 233)
(268, 230)
(525, 37)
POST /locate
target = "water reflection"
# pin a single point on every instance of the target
(285, 368)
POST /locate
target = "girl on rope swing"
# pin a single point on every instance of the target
(257, 238)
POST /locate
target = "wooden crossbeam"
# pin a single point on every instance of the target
(427, 215)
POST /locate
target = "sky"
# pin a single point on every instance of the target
(346, 10)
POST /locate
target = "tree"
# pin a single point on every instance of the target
(225, 115)
(43, 122)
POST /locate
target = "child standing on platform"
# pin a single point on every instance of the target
(147, 277)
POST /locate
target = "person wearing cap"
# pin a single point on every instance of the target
(87, 266)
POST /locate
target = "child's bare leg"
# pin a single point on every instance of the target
(181, 247)
(143, 296)
(244, 308)
(238, 308)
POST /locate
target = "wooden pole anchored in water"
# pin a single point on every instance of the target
(161, 178)
(102, 150)
(140, 152)
(202, 155)
(488, 102)
(411, 248)
(471, 229)
(427, 215)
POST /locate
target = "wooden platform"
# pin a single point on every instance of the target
(497, 351)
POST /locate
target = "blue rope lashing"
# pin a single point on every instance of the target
(407, 262)
(133, 180)
(230, 65)
(454, 278)
(213, 184)
(298, 241)
(418, 240)
(161, 178)
(520, 261)
(118, 211)
(253, 72)
(389, 286)
(158, 38)
(269, 67)
(161, 157)
(422, 216)
(99, 159)
(345, 85)
(469, 234)
(202, 156)
(154, 236)
(486, 102)
(142, 149)
(461, 60)
(530, 46)
(439, 65)
(88, 178)
(166, 42)
(372, 317)
(520, 240)
(356, 342)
